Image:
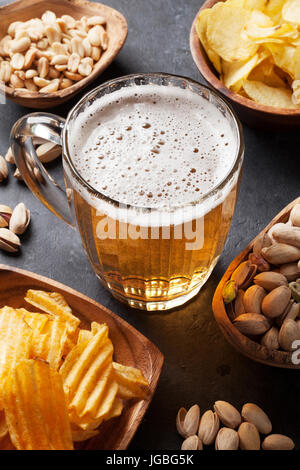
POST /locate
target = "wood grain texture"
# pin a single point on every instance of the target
(254, 114)
(243, 344)
(131, 348)
(23, 10)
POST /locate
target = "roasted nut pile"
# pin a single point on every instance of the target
(229, 429)
(13, 223)
(48, 54)
(263, 295)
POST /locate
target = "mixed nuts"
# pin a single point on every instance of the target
(263, 295)
(48, 54)
(13, 223)
(229, 429)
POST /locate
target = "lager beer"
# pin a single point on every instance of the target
(158, 166)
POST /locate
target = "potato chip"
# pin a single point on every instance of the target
(273, 8)
(50, 344)
(235, 72)
(131, 382)
(283, 57)
(6, 444)
(80, 435)
(262, 73)
(201, 27)
(35, 320)
(3, 425)
(269, 96)
(35, 408)
(296, 92)
(89, 380)
(291, 11)
(116, 409)
(15, 337)
(224, 27)
(53, 304)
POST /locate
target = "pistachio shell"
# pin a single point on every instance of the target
(228, 414)
(255, 415)
(190, 443)
(280, 253)
(249, 437)
(208, 427)
(20, 219)
(180, 420)
(270, 280)
(291, 271)
(289, 332)
(9, 241)
(295, 215)
(274, 304)
(262, 241)
(270, 339)
(191, 421)
(252, 324)
(278, 442)
(253, 298)
(244, 274)
(288, 235)
(227, 439)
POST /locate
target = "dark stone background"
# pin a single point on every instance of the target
(200, 367)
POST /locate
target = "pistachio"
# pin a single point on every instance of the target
(5, 215)
(274, 304)
(253, 298)
(295, 290)
(3, 169)
(252, 324)
(260, 262)
(280, 253)
(270, 280)
(270, 339)
(249, 437)
(179, 421)
(289, 332)
(255, 415)
(48, 152)
(20, 219)
(291, 271)
(209, 427)
(229, 291)
(278, 442)
(295, 215)
(291, 311)
(239, 308)
(200, 444)
(262, 241)
(9, 156)
(191, 421)
(288, 235)
(227, 439)
(17, 175)
(9, 241)
(244, 274)
(227, 414)
(190, 443)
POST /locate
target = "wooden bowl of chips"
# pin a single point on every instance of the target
(23, 10)
(250, 112)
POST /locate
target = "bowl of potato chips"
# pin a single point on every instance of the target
(249, 51)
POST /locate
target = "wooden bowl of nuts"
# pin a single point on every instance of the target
(51, 50)
(257, 302)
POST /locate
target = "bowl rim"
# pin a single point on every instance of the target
(202, 61)
(28, 95)
(239, 341)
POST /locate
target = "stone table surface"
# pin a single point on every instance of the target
(200, 366)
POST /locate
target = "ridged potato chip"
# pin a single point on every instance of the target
(269, 96)
(131, 382)
(15, 342)
(53, 303)
(35, 408)
(80, 435)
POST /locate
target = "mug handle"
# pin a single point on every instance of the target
(47, 127)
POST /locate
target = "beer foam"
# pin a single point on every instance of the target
(152, 146)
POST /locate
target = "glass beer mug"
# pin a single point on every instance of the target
(151, 165)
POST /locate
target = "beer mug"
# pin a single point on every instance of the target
(151, 165)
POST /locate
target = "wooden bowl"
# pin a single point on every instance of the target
(251, 113)
(130, 348)
(243, 344)
(23, 10)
